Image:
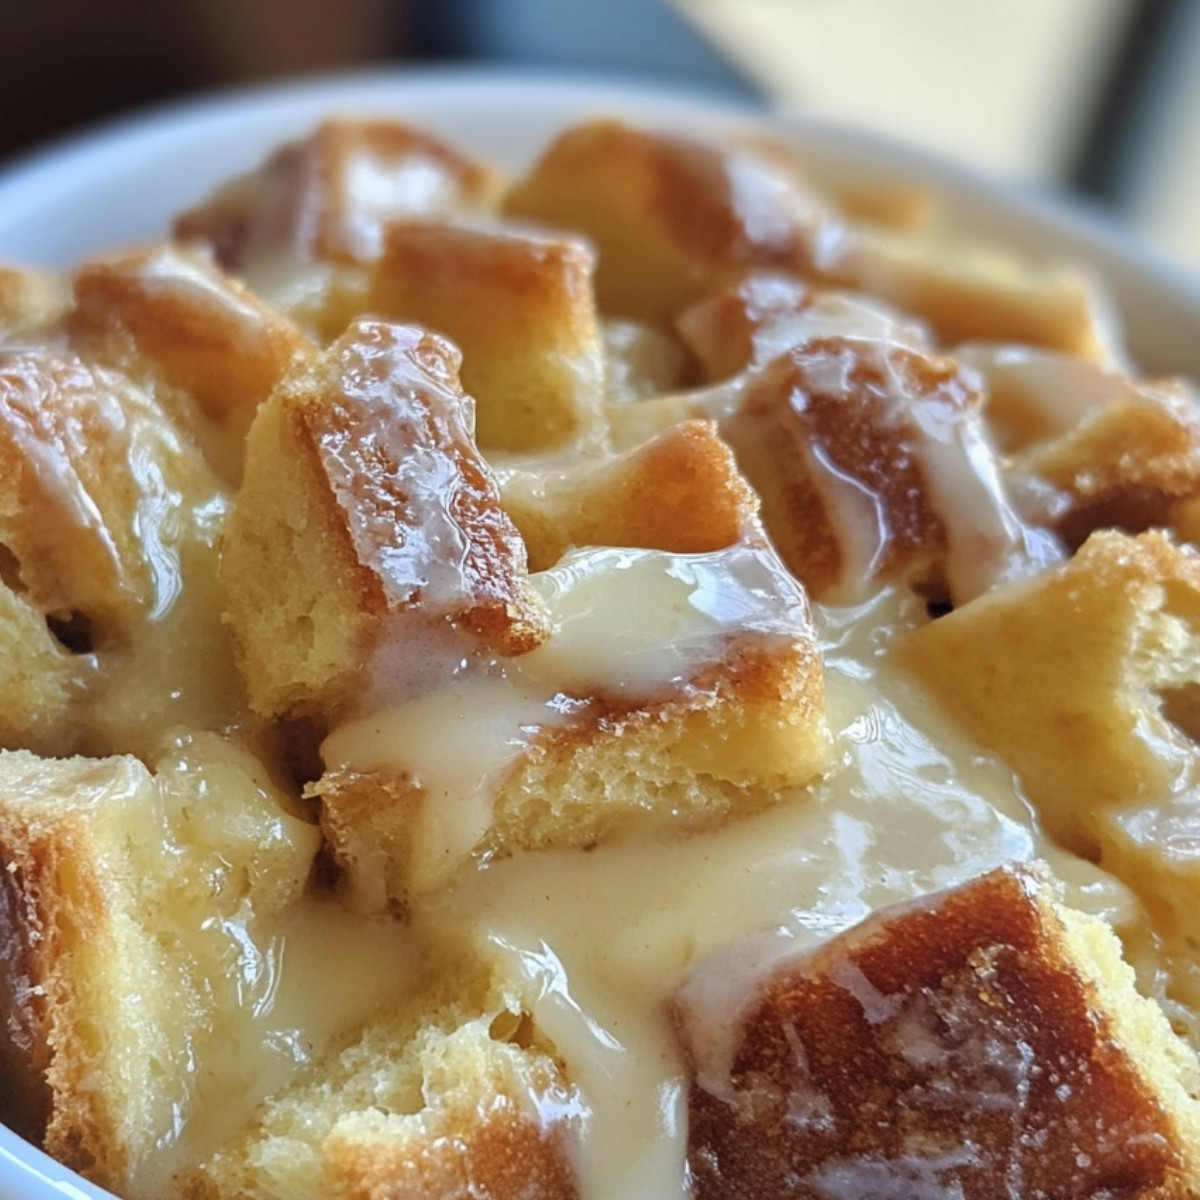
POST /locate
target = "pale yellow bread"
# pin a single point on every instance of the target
(128, 903)
(175, 322)
(872, 463)
(446, 1100)
(672, 218)
(519, 305)
(1088, 446)
(709, 707)
(1069, 676)
(681, 491)
(676, 219)
(100, 491)
(982, 1042)
(366, 503)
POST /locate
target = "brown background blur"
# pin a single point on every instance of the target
(1101, 97)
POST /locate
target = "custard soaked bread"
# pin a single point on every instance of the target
(134, 907)
(106, 506)
(567, 681)
(447, 1099)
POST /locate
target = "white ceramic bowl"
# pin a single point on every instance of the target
(123, 182)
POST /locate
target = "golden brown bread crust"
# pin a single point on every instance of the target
(55, 903)
(1086, 446)
(681, 491)
(952, 1047)
(1123, 466)
(365, 497)
(673, 219)
(792, 421)
(765, 314)
(966, 296)
(720, 330)
(307, 199)
(747, 722)
(119, 903)
(519, 306)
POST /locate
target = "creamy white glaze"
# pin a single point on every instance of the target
(595, 943)
(631, 626)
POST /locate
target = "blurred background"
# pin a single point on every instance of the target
(1098, 97)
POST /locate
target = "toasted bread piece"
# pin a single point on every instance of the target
(983, 1042)
(328, 197)
(301, 229)
(707, 707)
(366, 503)
(1088, 446)
(137, 917)
(167, 316)
(1085, 681)
(873, 464)
(680, 491)
(673, 219)
(99, 491)
(519, 306)
(1065, 676)
(448, 1099)
(765, 314)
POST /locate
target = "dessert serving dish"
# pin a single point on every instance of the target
(566, 641)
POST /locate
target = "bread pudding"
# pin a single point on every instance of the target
(652, 678)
